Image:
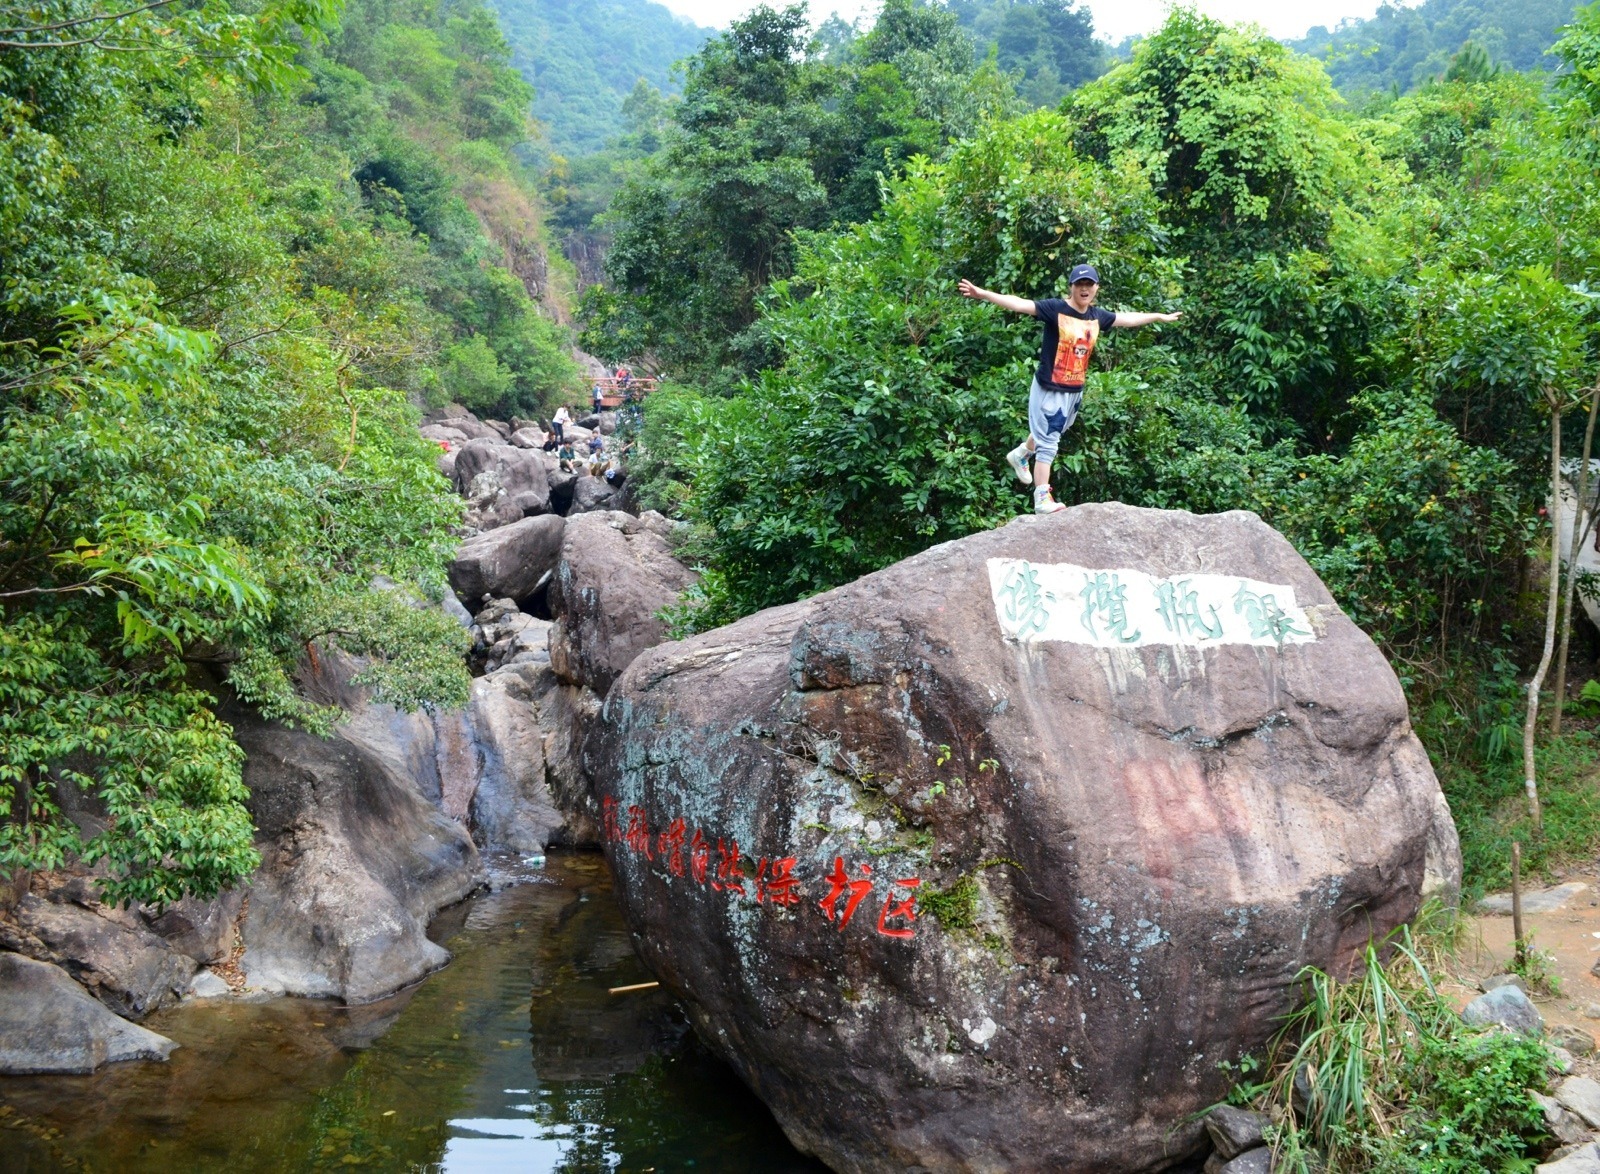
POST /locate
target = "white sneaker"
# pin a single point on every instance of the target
(1017, 458)
(1044, 503)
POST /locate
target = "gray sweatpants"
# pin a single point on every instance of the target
(1050, 413)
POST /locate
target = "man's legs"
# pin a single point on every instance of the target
(1050, 413)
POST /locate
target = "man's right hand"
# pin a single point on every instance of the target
(968, 290)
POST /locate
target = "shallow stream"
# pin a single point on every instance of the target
(512, 1058)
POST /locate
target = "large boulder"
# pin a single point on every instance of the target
(589, 495)
(502, 482)
(127, 966)
(507, 561)
(616, 573)
(512, 807)
(991, 859)
(457, 419)
(49, 1024)
(355, 861)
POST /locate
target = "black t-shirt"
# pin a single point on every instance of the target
(1069, 338)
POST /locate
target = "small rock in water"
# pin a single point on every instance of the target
(1574, 1039)
(1234, 1130)
(1507, 1006)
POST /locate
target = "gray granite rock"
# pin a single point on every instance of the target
(130, 969)
(49, 1024)
(1574, 1039)
(1580, 1095)
(1506, 1006)
(1585, 1159)
(1562, 1125)
(1257, 1161)
(1234, 1131)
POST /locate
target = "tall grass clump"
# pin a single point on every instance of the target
(1377, 1074)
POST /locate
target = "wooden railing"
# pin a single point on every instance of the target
(614, 393)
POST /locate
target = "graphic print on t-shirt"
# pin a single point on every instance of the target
(1075, 343)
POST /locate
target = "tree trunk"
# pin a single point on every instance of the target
(1529, 774)
(1570, 596)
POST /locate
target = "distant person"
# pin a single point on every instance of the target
(559, 422)
(1071, 328)
(565, 457)
(599, 395)
(624, 379)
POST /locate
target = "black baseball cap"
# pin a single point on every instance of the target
(1083, 273)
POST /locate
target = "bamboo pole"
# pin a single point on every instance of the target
(638, 986)
(1519, 949)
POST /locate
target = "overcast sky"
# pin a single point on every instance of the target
(1113, 19)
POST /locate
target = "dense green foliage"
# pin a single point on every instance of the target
(769, 139)
(1378, 1073)
(1403, 46)
(584, 57)
(229, 264)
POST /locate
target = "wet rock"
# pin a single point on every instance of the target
(589, 494)
(502, 483)
(1574, 1039)
(1565, 1127)
(616, 574)
(49, 1024)
(1234, 1130)
(1505, 1006)
(1580, 1095)
(507, 561)
(354, 863)
(512, 807)
(981, 864)
(108, 951)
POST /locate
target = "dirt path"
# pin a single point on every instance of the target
(1570, 935)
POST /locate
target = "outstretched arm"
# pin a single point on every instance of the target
(1124, 319)
(1004, 301)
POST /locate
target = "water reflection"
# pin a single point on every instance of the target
(512, 1058)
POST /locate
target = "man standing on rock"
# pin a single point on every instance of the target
(1071, 328)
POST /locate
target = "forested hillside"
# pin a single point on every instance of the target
(1049, 43)
(1402, 47)
(237, 251)
(584, 57)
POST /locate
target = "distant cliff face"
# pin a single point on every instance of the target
(584, 56)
